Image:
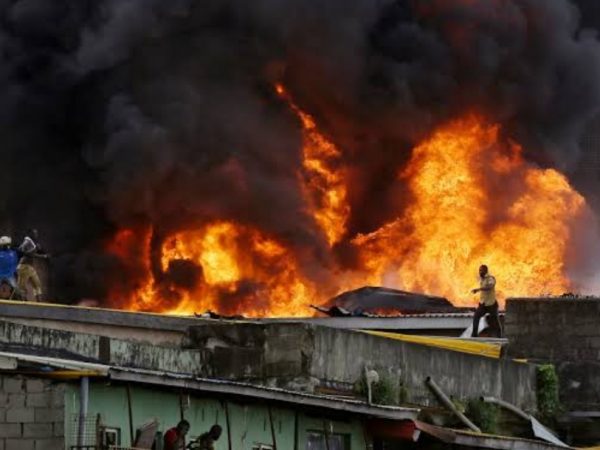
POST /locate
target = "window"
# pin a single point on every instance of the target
(109, 437)
(316, 441)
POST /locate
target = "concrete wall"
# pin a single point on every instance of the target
(563, 331)
(341, 357)
(295, 356)
(156, 329)
(31, 414)
(142, 335)
(305, 357)
(119, 352)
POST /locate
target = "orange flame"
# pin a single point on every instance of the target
(324, 180)
(474, 199)
(256, 273)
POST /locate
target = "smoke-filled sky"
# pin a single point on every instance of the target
(128, 113)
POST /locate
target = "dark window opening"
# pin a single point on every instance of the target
(319, 441)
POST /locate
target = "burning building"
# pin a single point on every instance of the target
(90, 378)
(268, 159)
(258, 157)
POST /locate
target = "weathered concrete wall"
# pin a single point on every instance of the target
(149, 328)
(31, 414)
(119, 352)
(341, 357)
(254, 352)
(142, 335)
(292, 355)
(565, 332)
(301, 356)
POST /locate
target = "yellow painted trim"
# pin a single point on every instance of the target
(458, 345)
(62, 374)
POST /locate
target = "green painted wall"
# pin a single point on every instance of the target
(251, 426)
(107, 400)
(203, 413)
(153, 404)
(285, 427)
(351, 428)
(71, 407)
(249, 423)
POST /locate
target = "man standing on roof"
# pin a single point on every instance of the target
(487, 302)
(174, 438)
(9, 260)
(26, 273)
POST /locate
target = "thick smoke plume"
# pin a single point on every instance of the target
(145, 113)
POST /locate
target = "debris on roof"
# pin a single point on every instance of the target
(213, 315)
(372, 301)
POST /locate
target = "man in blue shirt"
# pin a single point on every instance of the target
(9, 260)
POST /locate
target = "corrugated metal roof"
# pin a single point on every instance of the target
(234, 388)
(483, 440)
(225, 387)
(59, 363)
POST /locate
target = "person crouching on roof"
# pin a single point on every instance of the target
(26, 273)
(487, 302)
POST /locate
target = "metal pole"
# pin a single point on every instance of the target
(296, 431)
(228, 425)
(540, 431)
(84, 394)
(130, 415)
(326, 434)
(272, 428)
(508, 406)
(448, 403)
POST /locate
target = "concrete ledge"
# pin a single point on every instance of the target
(448, 322)
(81, 314)
(287, 354)
(156, 329)
(87, 347)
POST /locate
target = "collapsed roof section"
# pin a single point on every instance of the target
(370, 299)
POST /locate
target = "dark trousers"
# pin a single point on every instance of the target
(493, 320)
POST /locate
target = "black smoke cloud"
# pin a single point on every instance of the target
(130, 113)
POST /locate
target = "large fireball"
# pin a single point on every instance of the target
(473, 200)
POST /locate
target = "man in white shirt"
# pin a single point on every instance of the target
(487, 302)
(27, 276)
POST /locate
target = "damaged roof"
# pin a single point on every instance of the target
(374, 298)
